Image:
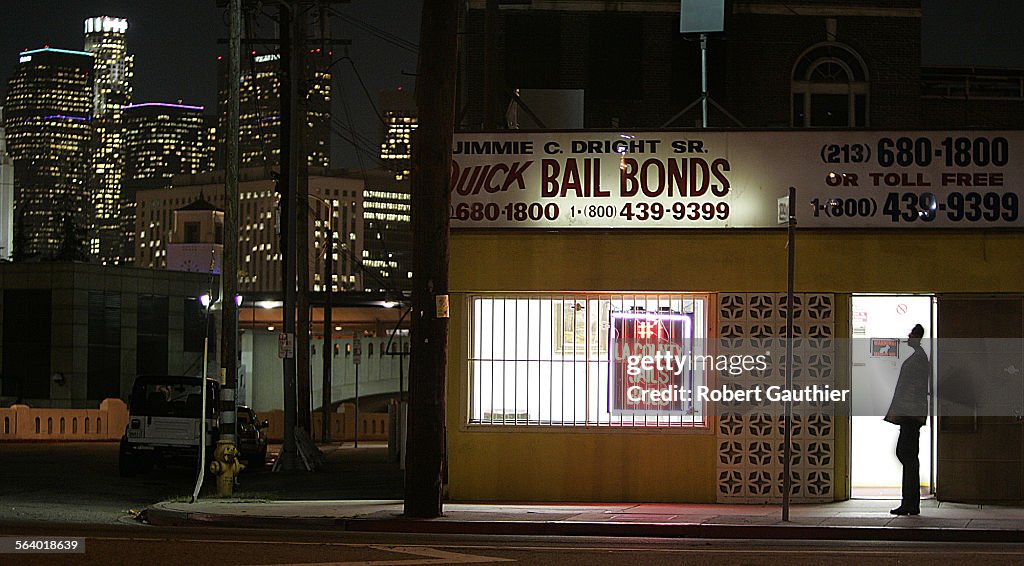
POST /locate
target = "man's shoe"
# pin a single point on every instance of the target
(901, 510)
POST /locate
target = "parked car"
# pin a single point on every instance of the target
(252, 440)
(164, 423)
(164, 414)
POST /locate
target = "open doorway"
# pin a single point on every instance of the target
(880, 324)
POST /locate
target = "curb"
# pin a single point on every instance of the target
(163, 517)
(167, 518)
(676, 530)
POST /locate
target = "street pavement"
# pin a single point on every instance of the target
(78, 482)
(109, 545)
(309, 504)
(359, 491)
(350, 512)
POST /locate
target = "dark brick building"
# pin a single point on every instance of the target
(827, 64)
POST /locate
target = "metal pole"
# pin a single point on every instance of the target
(229, 264)
(787, 450)
(704, 78)
(202, 419)
(356, 443)
(328, 348)
(932, 397)
(202, 403)
(400, 352)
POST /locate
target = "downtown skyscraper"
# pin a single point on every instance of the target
(105, 38)
(259, 143)
(387, 227)
(399, 109)
(161, 140)
(6, 197)
(387, 219)
(49, 127)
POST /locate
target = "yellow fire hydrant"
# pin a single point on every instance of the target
(225, 466)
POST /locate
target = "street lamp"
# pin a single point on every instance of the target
(207, 300)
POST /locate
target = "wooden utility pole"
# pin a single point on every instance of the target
(288, 460)
(229, 260)
(294, 188)
(328, 347)
(300, 175)
(431, 159)
(490, 63)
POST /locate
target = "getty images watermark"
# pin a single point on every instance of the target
(658, 379)
(676, 374)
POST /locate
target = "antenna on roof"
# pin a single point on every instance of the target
(701, 17)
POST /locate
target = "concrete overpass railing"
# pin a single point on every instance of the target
(21, 422)
(373, 426)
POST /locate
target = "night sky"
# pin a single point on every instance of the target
(176, 49)
(175, 45)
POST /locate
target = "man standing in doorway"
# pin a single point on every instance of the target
(909, 410)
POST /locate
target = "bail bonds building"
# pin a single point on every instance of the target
(602, 278)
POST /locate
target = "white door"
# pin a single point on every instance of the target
(880, 324)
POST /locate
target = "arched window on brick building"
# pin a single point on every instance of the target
(830, 88)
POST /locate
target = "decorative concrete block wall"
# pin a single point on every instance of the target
(750, 434)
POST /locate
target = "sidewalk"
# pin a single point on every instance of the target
(862, 519)
(851, 520)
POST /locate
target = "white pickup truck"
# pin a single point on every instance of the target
(164, 422)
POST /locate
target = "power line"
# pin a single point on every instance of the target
(357, 137)
(359, 145)
(369, 97)
(362, 169)
(381, 34)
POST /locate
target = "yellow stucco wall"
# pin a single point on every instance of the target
(869, 261)
(600, 466)
(487, 463)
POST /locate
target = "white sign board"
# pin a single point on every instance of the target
(286, 345)
(357, 350)
(698, 179)
(701, 16)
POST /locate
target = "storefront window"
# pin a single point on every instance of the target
(587, 360)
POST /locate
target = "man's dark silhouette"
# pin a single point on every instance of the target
(909, 410)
